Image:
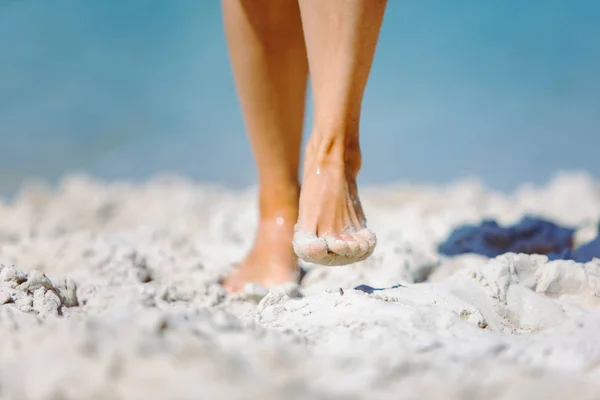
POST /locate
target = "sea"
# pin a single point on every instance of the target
(503, 91)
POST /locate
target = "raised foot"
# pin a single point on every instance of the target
(335, 249)
(331, 228)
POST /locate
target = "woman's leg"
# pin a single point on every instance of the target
(270, 66)
(341, 36)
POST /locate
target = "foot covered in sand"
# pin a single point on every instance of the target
(331, 228)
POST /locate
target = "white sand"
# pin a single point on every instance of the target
(141, 262)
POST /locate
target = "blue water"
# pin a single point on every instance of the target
(508, 91)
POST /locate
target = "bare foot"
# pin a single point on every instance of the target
(271, 261)
(331, 228)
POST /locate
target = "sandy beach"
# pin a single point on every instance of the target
(109, 291)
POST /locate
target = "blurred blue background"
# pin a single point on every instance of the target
(508, 91)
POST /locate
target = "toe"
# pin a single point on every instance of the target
(362, 243)
(353, 244)
(309, 247)
(370, 237)
(336, 244)
(367, 241)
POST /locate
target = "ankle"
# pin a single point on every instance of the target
(335, 147)
(279, 203)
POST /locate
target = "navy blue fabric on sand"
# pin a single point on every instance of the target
(531, 236)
